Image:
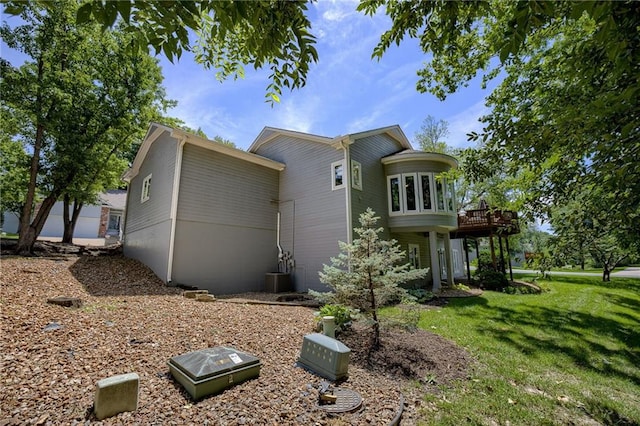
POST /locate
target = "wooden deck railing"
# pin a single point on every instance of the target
(487, 218)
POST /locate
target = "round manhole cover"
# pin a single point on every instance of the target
(346, 401)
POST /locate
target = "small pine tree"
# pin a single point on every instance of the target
(367, 272)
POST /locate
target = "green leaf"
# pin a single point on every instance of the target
(124, 8)
(84, 13)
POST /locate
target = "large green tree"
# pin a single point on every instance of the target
(432, 135)
(271, 34)
(567, 113)
(83, 98)
(584, 228)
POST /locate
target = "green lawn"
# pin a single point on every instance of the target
(568, 356)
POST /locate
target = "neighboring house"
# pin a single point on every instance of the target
(203, 214)
(102, 220)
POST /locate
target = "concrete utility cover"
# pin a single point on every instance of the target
(211, 370)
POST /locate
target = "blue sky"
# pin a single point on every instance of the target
(346, 90)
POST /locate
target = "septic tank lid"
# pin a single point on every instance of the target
(346, 401)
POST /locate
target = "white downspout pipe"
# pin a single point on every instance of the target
(173, 216)
(344, 144)
(280, 252)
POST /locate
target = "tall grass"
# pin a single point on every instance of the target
(568, 356)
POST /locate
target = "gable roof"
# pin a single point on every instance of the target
(269, 133)
(156, 130)
(114, 198)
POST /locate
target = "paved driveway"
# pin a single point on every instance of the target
(631, 272)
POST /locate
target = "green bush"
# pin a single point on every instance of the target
(488, 278)
(520, 290)
(420, 295)
(341, 313)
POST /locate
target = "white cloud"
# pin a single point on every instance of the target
(466, 122)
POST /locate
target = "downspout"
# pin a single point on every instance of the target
(123, 238)
(174, 205)
(344, 144)
(280, 252)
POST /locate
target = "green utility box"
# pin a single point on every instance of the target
(210, 371)
(325, 356)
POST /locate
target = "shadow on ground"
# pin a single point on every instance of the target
(118, 276)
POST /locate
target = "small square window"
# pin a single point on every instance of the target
(356, 175)
(337, 175)
(146, 189)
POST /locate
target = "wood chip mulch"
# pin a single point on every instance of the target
(130, 322)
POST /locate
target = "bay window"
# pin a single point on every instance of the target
(415, 193)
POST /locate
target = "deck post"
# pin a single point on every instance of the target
(466, 255)
(502, 266)
(509, 257)
(435, 263)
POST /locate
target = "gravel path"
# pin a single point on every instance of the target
(131, 322)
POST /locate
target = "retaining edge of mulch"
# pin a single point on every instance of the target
(308, 304)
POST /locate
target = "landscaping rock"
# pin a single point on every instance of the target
(116, 394)
(205, 298)
(191, 294)
(67, 302)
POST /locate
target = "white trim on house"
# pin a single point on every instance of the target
(411, 155)
(356, 175)
(338, 175)
(173, 215)
(151, 136)
(145, 193)
(269, 133)
(179, 134)
(390, 195)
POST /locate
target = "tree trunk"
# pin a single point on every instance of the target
(70, 223)
(30, 232)
(606, 273)
(375, 341)
(26, 235)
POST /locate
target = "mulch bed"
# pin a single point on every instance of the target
(52, 356)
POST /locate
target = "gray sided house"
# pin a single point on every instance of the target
(203, 214)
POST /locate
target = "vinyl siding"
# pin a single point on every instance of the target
(226, 228)
(368, 152)
(147, 226)
(313, 215)
(423, 221)
(404, 239)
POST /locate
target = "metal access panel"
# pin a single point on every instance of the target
(324, 356)
(210, 371)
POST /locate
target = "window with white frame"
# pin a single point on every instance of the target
(414, 256)
(356, 175)
(440, 194)
(411, 193)
(146, 189)
(450, 196)
(337, 175)
(395, 194)
(426, 192)
(457, 267)
(414, 193)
